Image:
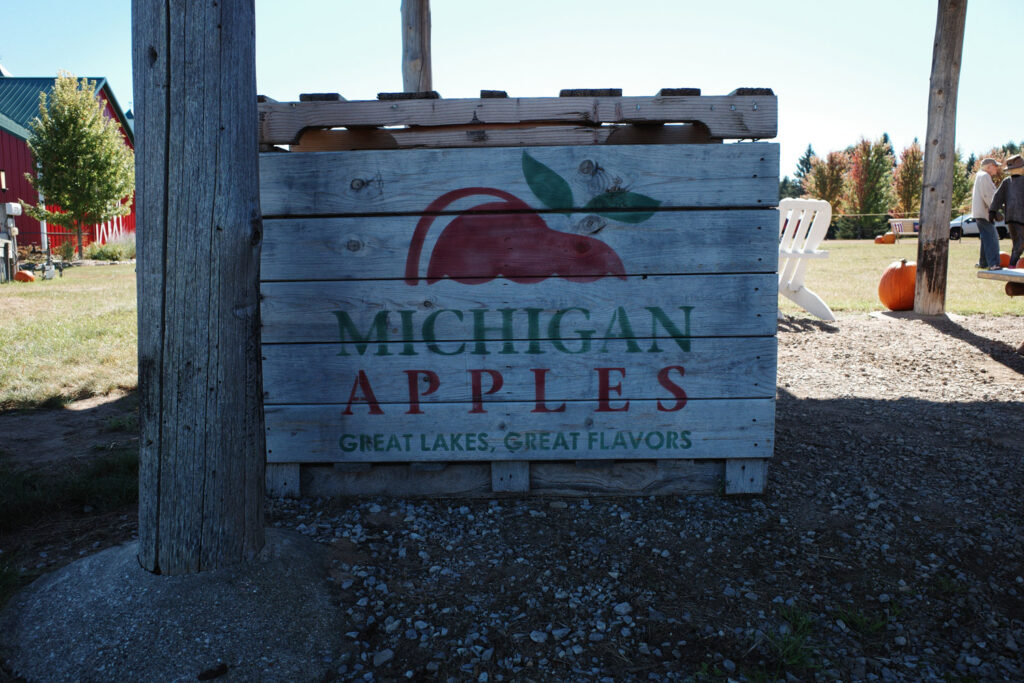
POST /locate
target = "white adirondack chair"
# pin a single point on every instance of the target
(802, 226)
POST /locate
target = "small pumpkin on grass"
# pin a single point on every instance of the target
(24, 276)
(896, 288)
(1004, 260)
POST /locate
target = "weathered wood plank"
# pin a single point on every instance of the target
(283, 480)
(201, 415)
(745, 476)
(1004, 275)
(416, 63)
(736, 305)
(416, 181)
(501, 135)
(730, 116)
(510, 477)
(470, 480)
(668, 243)
(733, 367)
(734, 428)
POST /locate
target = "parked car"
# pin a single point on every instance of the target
(965, 225)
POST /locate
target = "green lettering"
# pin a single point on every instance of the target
(555, 331)
(659, 316)
(533, 329)
(430, 336)
(378, 329)
(625, 331)
(408, 333)
(480, 331)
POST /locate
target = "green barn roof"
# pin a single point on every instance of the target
(19, 103)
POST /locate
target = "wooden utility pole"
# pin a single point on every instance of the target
(200, 410)
(939, 156)
(416, 75)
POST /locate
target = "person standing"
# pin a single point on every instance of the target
(1011, 196)
(981, 201)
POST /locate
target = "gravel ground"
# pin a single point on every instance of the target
(889, 545)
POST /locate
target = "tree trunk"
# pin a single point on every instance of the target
(416, 76)
(939, 155)
(198, 243)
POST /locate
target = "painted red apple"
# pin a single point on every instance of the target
(507, 239)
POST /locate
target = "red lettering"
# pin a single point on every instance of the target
(674, 388)
(433, 382)
(362, 383)
(497, 381)
(538, 383)
(604, 390)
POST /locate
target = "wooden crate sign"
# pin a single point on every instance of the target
(555, 303)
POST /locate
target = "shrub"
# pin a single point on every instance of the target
(120, 249)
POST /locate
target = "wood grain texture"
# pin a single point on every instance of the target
(726, 117)
(510, 477)
(1004, 275)
(745, 476)
(736, 305)
(369, 248)
(501, 135)
(408, 181)
(202, 482)
(283, 480)
(416, 62)
(735, 428)
(714, 368)
(472, 480)
(939, 156)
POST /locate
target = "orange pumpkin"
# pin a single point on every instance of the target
(896, 288)
(24, 276)
(878, 240)
(888, 238)
(1004, 260)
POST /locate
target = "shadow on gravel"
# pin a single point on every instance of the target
(1001, 352)
(791, 324)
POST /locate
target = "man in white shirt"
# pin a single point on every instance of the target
(984, 190)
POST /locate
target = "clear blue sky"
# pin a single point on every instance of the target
(842, 70)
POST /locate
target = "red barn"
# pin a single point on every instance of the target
(19, 104)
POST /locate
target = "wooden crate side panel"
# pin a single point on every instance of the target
(731, 367)
(718, 305)
(427, 181)
(670, 242)
(734, 428)
(729, 116)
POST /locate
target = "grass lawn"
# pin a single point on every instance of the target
(848, 279)
(67, 338)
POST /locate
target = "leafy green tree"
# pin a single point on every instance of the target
(868, 189)
(85, 166)
(803, 167)
(963, 187)
(907, 181)
(789, 188)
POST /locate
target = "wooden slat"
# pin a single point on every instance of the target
(740, 305)
(745, 476)
(408, 181)
(510, 477)
(714, 429)
(669, 242)
(714, 368)
(501, 135)
(283, 480)
(727, 117)
(472, 480)
(1004, 275)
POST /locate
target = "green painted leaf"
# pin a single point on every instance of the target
(550, 188)
(603, 204)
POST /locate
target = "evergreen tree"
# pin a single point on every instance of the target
(789, 188)
(867, 194)
(907, 181)
(803, 167)
(85, 166)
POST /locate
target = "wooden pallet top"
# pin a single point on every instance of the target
(746, 113)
